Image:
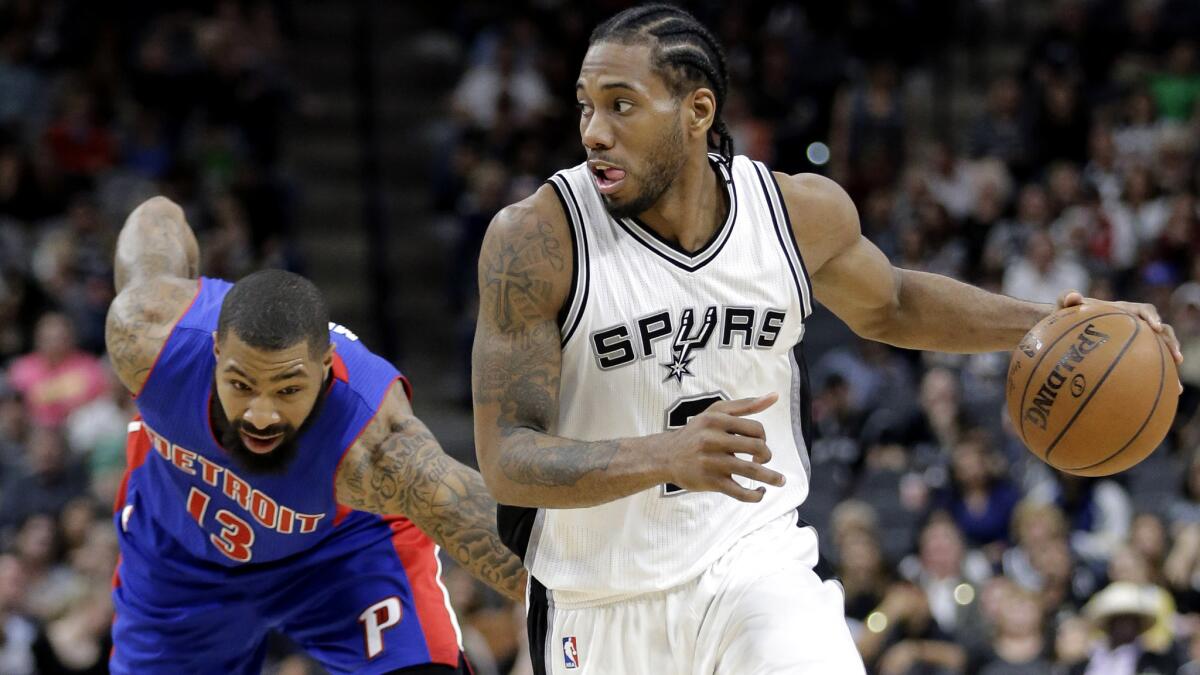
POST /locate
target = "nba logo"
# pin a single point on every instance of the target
(570, 652)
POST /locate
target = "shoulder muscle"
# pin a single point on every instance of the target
(823, 217)
(525, 263)
(139, 321)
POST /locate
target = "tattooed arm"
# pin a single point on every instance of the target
(524, 278)
(156, 263)
(398, 467)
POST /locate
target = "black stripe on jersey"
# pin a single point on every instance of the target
(779, 236)
(566, 308)
(671, 251)
(514, 524)
(791, 235)
(806, 397)
(537, 623)
(823, 569)
(583, 268)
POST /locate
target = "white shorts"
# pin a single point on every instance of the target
(759, 610)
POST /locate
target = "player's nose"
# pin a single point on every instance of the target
(260, 414)
(596, 132)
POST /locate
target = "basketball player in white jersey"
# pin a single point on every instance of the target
(638, 405)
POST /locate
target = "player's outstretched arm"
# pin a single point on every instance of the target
(524, 279)
(398, 467)
(156, 263)
(905, 308)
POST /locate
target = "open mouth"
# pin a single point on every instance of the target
(260, 444)
(607, 176)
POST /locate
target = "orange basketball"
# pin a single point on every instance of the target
(1092, 390)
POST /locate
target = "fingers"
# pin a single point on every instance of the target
(755, 447)
(757, 472)
(745, 406)
(1168, 335)
(730, 487)
(739, 425)
(1149, 314)
(1070, 299)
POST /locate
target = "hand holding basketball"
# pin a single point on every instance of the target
(1146, 312)
(1092, 389)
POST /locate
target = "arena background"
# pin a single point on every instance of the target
(1024, 146)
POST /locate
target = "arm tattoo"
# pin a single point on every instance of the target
(156, 241)
(407, 473)
(138, 323)
(518, 353)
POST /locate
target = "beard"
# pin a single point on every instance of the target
(279, 459)
(667, 158)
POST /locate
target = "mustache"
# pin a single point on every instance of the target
(273, 430)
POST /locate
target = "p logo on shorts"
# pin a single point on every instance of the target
(570, 652)
(376, 619)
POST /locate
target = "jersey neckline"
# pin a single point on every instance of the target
(671, 251)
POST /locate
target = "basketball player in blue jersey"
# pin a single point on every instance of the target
(640, 411)
(277, 480)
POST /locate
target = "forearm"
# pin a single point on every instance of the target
(460, 515)
(409, 474)
(156, 241)
(937, 313)
(536, 469)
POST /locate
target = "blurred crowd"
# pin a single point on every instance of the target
(102, 106)
(1026, 147)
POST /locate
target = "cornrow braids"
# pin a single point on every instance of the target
(684, 52)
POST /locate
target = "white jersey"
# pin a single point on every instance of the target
(653, 335)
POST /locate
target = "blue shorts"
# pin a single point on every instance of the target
(377, 609)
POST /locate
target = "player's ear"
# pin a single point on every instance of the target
(327, 360)
(701, 107)
(216, 347)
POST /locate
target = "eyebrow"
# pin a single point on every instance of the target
(238, 371)
(288, 374)
(610, 85)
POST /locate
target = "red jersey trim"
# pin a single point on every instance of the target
(199, 285)
(418, 557)
(137, 446)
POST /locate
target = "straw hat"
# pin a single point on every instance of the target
(1123, 598)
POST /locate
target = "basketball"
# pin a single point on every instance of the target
(1092, 390)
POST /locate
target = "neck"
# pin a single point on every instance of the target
(692, 209)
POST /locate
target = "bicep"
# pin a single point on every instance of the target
(859, 285)
(524, 275)
(849, 274)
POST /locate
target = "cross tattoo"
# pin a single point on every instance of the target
(505, 281)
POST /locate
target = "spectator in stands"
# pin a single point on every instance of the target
(49, 479)
(979, 497)
(1123, 611)
(501, 87)
(1041, 274)
(903, 638)
(1006, 241)
(1002, 131)
(16, 649)
(50, 583)
(949, 574)
(1098, 511)
(1177, 89)
(79, 641)
(1141, 207)
(864, 574)
(57, 377)
(1137, 138)
(1018, 643)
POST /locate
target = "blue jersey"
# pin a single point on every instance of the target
(214, 510)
